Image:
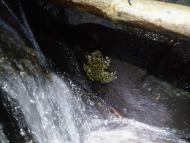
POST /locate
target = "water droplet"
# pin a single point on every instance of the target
(22, 132)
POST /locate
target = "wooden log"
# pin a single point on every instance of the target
(150, 14)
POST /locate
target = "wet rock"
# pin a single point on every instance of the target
(3, 138)
(13, 121)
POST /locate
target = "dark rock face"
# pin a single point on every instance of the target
(168, 59)
(13, 126)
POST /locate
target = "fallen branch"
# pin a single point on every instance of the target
(150, 14)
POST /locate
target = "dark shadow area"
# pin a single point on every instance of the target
(167, 61)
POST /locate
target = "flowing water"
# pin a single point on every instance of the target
(55, 113)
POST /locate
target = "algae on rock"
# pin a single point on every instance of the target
(97, 68)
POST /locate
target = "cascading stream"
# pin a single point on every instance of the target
(56, 114)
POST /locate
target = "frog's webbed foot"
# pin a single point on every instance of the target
(129, 1)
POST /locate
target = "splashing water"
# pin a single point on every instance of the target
(56, 114)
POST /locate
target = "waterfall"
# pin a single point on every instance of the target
(55, 112)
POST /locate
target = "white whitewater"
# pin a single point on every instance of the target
(56, 114)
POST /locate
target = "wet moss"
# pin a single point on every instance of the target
(97, 68)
